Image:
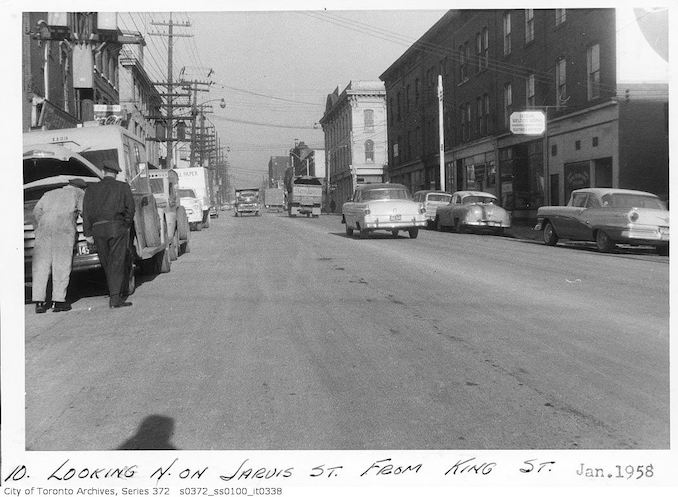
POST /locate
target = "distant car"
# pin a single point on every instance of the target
(383, 206)
(214, 212)
(432, 199)
(607, 216)
(471, 210)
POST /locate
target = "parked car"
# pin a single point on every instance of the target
(471, 210)
(432, 199)
(383, 206)
(214, 212)
(607, 216)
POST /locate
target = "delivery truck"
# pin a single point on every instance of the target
(274, 199)
(197, 179)
(304, 196)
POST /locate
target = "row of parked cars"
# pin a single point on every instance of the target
(606, 216)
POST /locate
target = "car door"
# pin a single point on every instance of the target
(569, 223)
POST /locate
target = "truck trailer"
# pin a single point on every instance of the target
(197, 179)
(305, 194)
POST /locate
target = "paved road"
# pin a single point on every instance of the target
(282, 333)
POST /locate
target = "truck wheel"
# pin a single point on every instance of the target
(174, 246)
(151, 225)
(163, 264)
(662, 249)
(198, 226)
(182, 224)
(186, 248)
(414, 232)
(349, 231)
(394, 233)
(131, 279)
(206, 222)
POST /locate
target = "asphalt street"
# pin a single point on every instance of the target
(284, 333)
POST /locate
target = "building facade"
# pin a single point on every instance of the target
(494, 63)
(354, 124)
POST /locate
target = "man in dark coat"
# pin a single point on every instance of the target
(108, 212)
(55, 215)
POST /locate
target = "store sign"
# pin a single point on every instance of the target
(528, 123)
(108, 114)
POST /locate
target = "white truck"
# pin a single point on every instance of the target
(99, 145)
(305, 196)
(196, 179)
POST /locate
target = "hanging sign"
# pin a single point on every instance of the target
(528, 123)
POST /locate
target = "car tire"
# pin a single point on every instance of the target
(414, 232)
(394, 233)
(439, 225)
(662, 249)
(363, 233)
(458, 227)
(349, 230)
(550, 235)
(604, 242)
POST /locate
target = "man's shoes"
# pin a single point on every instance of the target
(119, 304)
(41, 307)
(61, 306)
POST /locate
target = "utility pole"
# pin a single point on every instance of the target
(441, 132)
(193, 86)
(170, 83)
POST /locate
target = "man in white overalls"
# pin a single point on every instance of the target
(56, 215)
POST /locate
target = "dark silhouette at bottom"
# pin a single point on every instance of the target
(154, 433)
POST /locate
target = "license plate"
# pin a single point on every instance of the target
(395, 217)
(83, 249)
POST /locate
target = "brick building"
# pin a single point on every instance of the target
(561, 62)
(354, 124)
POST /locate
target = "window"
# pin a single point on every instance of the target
(479, 52)
(462, 64)
(560, 16)
(507, 33)
(368, 116)
(468, 121)
(561, 80)
(486, 43)
(407, 99)
(529, 98)
(416, 92)
(369, 151)
(486, 114)
(529, 25)
(577, 145)
(479, 116)
(398, 106)
(594, 141)
(462, 122)
(593, 72)
(508, 103)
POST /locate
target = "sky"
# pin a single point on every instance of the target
(276, 69)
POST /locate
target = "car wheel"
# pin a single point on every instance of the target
(550, 236)
(414, 232)
(439, 225)
(662, 249)
(394, 233)
(349, 230)
(363, 233)
(603, 242)
(458, 227)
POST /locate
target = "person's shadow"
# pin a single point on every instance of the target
(154, 433)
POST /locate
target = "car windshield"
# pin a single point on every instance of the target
(186, 193)
(438, 197)
(630, 200)
(478, 199)
(385, 194)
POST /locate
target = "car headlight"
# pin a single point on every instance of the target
(633, 216)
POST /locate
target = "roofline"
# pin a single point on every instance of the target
(447, 18)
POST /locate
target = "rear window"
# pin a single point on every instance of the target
(156, 185)
(102, 158)
(307, 181)
(438, 197)
(629, 200)
(385, 194)
(477, 199)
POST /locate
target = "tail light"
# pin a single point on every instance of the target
(367, 212)
(422, 209)
(633, 216)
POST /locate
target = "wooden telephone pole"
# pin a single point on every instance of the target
(170, 83)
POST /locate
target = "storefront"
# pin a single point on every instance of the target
(521, 167)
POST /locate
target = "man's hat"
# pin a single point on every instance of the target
(79, 182)
(111, 166)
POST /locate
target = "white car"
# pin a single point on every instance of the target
(473, 210)
(193, 207)
(432, 199)
(383, 206)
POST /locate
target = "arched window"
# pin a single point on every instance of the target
(369, 151)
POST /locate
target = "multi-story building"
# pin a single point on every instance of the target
(277, 165)
(354, 124)
(494, 63)
(140, 100)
